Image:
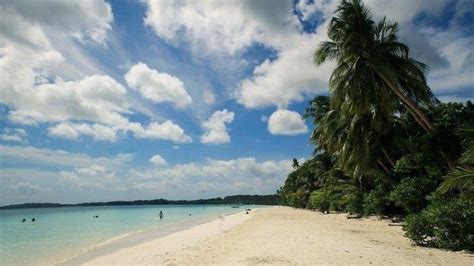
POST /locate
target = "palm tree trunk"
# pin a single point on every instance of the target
(412, 105)
(389, 159)
(383, 166)
(419, 116)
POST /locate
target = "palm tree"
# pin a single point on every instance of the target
(295, 164)
(356, 140)
(373, 67)
(462, 176)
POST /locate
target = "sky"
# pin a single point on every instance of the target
(124, 100)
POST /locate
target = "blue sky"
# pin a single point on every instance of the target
(108, 100)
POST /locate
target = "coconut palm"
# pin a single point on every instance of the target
(356, 140)
(295, 164)
(373, 67)
(462, 176)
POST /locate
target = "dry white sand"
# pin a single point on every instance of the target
(282, 235)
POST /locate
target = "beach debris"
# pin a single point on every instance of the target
(395, 224)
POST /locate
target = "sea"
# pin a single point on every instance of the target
(72, 235)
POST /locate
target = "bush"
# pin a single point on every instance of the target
(443, 224)
(320, 200)
(377, 200)
(374, 203)
(297, 199)
(412, 193)
(355, 204)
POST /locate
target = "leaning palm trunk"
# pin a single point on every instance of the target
(409, 104)
(370, 52)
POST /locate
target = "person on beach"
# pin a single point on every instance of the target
(161, 215)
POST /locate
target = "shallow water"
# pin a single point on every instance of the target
(63, 233)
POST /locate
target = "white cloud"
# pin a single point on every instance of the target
(72, 131)
(229, 28)
(26, 188)
(95, 177)
(32, 70)
(217, 28)
(157, 87)
(286, 122)
(165, 131)
(210, 25)
(94, 98)
(287, 79)
(222, 177)
(14, 134)
(154, 130)
(84, 20)
(57, 158)
(215, 127)
(158, 160)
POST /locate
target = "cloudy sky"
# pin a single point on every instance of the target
(107, 100)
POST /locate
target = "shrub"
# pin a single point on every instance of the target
(355, 204)
(443, 224)
(412, 192)
(320, 200)
(377, 200)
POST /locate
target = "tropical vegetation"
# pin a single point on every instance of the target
(384, 145)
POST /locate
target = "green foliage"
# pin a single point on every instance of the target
(462, 177)
(412, 193)
(320, 200)
(383, 143)
(355, 203)
(443, 224)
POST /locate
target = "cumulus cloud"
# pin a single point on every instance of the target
(80, 172)
(157, 87)
(165, 131)
(84, 20)
(73, 131)
(32, 72)
(215, 127)
(158, 160)
(94, 98)
(211, 24)
(240, 175)
(233, 27)
(162, 131)
(286, 122)
(94, 177)
(14, 134)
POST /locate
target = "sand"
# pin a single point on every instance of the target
(282, 235)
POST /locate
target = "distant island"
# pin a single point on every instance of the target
(236, 199)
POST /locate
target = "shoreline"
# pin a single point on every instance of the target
(129, 240)
(283, 235)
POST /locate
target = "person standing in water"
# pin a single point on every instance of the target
(161, 215)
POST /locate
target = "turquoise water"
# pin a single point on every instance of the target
(60, 234)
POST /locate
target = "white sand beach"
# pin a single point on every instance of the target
(282, 235)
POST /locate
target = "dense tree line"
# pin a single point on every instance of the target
(230, 200)
(384, 145)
